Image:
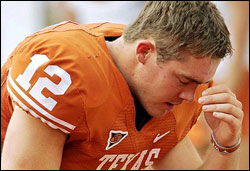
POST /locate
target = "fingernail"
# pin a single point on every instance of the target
(205, 108)
(204, 93)
(216, 114)
(201, 100)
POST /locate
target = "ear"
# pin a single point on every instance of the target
(143, 49)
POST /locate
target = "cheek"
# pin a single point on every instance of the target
(168, 88)
(173, 86)
(172, 91)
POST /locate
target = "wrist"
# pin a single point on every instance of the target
(224, 149)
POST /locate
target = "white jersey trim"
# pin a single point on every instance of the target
(33, 113)
(33, 104)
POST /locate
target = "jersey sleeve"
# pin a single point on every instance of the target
(43, 81)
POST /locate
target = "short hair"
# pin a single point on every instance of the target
(176, 26)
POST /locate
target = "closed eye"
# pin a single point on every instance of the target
(184, 83)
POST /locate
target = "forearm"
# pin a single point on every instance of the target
(218, 161)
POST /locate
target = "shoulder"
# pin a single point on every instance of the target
(57, 72)
(44, 77)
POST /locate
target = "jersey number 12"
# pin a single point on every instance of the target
(43, 82)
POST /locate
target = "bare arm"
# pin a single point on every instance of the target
(185, 157)
(182, 157)
(29, 144)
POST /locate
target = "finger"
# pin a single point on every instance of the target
(224, 108)
(217, 89)
(220, 98)
(234, 122)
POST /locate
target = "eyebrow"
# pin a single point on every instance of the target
(193, 80)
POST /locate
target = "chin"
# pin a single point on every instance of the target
(159, 110)
(159, 113)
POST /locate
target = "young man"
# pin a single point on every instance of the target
(76, 101)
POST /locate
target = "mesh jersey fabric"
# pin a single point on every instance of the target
(65, 76)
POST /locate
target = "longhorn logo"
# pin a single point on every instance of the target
(115, 137)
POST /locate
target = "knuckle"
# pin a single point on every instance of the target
(240, 105)
(227, 97)
(230, 108)
(241, 114)
(227, 89)
(224, 87)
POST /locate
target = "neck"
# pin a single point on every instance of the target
(123, 56)
(114, 48)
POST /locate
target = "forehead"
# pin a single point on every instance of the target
(201, 69)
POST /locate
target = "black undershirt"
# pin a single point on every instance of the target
(142, 117)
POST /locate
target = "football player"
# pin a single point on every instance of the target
(109, 96)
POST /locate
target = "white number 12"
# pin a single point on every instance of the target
(43, 82)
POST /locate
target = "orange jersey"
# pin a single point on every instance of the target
(65, 76)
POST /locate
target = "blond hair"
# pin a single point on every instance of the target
(175, 26)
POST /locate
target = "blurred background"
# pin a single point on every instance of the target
(22, 18)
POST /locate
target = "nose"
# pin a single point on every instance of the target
(188, 93)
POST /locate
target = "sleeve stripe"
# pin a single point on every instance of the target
(33, 113)
(33, 104)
